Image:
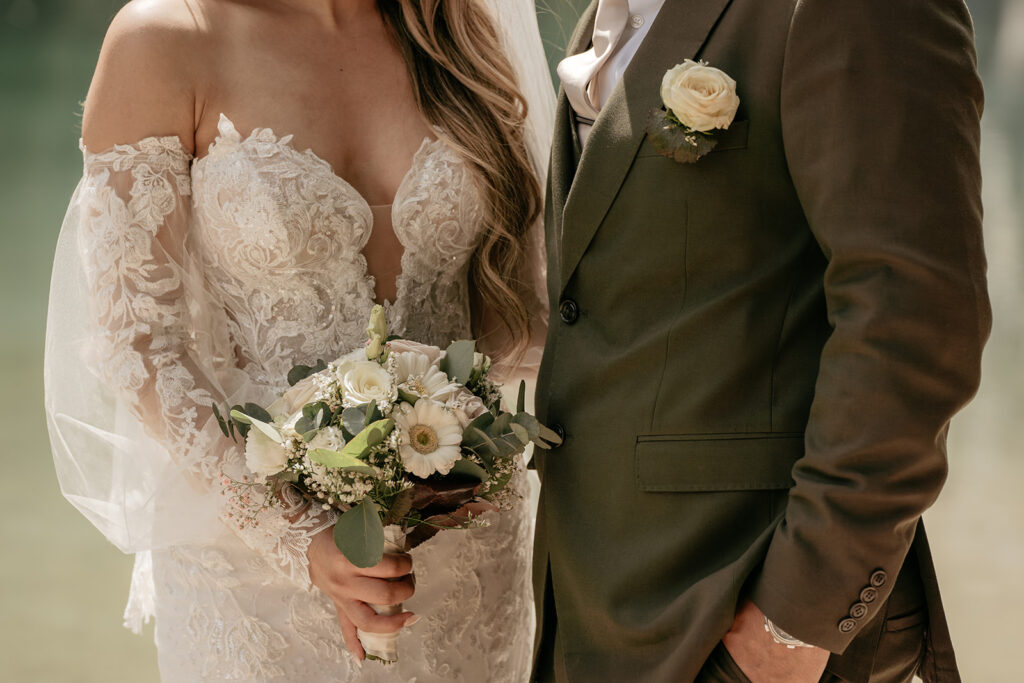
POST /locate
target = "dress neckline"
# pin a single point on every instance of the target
(228, 132)
(229, 136)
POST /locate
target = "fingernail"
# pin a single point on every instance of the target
(412, 620)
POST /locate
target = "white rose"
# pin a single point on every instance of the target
(263, 456)
(299, 395)
(367, 382)
(328, 438)
(700, 96)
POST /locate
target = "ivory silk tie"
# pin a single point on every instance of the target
(579, 72)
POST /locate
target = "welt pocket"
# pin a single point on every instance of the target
(906, 621)
(717, 462)
(733, 137)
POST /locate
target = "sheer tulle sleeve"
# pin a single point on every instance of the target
(517, 22)
(135, 358)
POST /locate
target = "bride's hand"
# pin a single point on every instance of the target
(352, 588)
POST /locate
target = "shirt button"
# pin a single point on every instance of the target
(636, 21)
(569, 311)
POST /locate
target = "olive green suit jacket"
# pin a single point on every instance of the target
(755, 358)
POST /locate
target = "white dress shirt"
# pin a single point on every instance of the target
(642, 14)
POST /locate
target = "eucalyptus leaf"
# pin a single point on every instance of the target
(359, 535)
(268, 429)
(221, 422)
(353, 419)
(672, 139)
(339, 460)
(549, 436)
(258, 412)
(468, 468)
(404, 395)
(368, 438)
(528, 422)
(482, 421)
(521, 402)
(458, 361)
(306, 428)
(401, 506)
(301, 372)
(521, 433)
(373, 413)
(501, 424)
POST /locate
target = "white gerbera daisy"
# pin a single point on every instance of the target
(418, 376)
(431, 438)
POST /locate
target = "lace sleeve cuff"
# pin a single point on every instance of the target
(281, 534)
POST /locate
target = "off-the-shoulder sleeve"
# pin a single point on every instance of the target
(135, 358)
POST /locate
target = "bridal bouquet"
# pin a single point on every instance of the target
(396, 436)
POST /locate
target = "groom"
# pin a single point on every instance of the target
(754, 358)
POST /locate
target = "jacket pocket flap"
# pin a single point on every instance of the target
(717, 462)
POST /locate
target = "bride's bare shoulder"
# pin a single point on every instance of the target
(146, 78)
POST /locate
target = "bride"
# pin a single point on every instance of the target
(258, 173)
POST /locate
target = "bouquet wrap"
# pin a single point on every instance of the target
(384, 646)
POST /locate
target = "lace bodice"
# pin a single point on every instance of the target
(280, 238)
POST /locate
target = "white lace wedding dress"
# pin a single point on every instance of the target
(179, 283)
(261, 243)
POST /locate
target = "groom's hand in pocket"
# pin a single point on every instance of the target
(762, 659)
(353, 589)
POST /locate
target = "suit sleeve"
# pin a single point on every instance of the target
(881, 107)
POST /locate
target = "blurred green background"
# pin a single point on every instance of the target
(63, 588)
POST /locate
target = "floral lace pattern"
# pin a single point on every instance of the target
(272, 239)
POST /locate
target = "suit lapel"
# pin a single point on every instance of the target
(678, 33)
(563, 148)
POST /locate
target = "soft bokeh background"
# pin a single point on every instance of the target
(62, 587)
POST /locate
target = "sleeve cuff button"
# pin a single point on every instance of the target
(847, 625)
(859, 610)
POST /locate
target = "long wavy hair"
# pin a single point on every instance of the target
(466, 87)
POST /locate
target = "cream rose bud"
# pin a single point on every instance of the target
(468, 408)
(263, 456)
(700, 96)
(377, 331)
(367, 382)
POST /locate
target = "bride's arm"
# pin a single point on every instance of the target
(135, 358)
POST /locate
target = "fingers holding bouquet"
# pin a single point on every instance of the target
(353, 589)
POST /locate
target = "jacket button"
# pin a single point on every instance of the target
(878, 578)
(868, 595)
(569, 311)
(858, 610)
(847, 625)
(560, 430)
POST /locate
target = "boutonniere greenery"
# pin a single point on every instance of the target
(698, 100)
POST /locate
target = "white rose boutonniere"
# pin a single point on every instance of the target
(698, 99)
